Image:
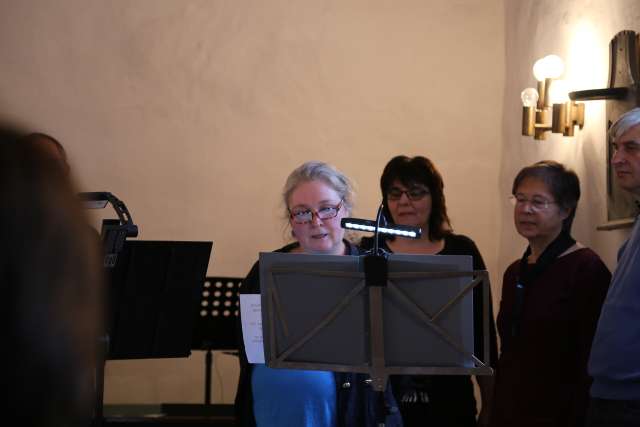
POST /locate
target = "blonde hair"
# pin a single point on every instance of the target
(319, 171)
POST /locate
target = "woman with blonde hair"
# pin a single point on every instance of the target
(316, 197)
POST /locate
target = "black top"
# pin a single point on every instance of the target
(445, 400)
(356, 400)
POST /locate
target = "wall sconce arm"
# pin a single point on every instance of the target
(600, 94)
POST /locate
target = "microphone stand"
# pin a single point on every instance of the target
(376, 273)
(375, 262)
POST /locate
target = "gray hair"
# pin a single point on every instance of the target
(625, 122)
(319, 171)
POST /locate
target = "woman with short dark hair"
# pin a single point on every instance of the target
(551, 300)
(417, 170)
(413, 194)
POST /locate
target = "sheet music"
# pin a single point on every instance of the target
(251, 315)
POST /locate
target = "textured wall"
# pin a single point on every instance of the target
(580, 32)
(194, 112)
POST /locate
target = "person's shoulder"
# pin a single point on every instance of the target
(460, 244)
(289, 247)
(586, 273)
(459, 239)
(585, 256)
(582, 254)
(251, 283)
(585, 252)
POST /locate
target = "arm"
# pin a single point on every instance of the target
(244, 396)
(485, 382)
(486, 385)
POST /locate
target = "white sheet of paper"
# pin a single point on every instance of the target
(251, 315)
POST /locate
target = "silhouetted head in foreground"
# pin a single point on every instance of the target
(50, 284)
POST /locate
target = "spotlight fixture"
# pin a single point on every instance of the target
(548, 107)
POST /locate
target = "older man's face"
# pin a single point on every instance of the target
(626, 160)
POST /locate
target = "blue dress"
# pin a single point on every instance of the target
(293, 398)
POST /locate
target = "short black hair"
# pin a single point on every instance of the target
(563, 184)
(419, 170)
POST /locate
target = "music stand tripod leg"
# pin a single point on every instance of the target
(208, 362)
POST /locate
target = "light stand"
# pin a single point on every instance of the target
(376, 276)
(114, 233)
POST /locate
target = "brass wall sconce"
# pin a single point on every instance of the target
(548, 107)
(621, 95)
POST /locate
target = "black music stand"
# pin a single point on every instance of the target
(153, 291)
(215, 329)
(379, 315)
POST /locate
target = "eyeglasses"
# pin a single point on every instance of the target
(414, 193)
(304, 216)
(537, 203)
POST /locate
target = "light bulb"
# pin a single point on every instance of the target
(558, 92)
(529, 97)
(549, 67)
(538, 70)
(554, 65)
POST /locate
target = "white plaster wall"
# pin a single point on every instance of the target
(194, 112)
(579, 31)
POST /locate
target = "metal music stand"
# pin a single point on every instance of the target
(216, 321)
(153, 292)
(215, 329)
(397, 314)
